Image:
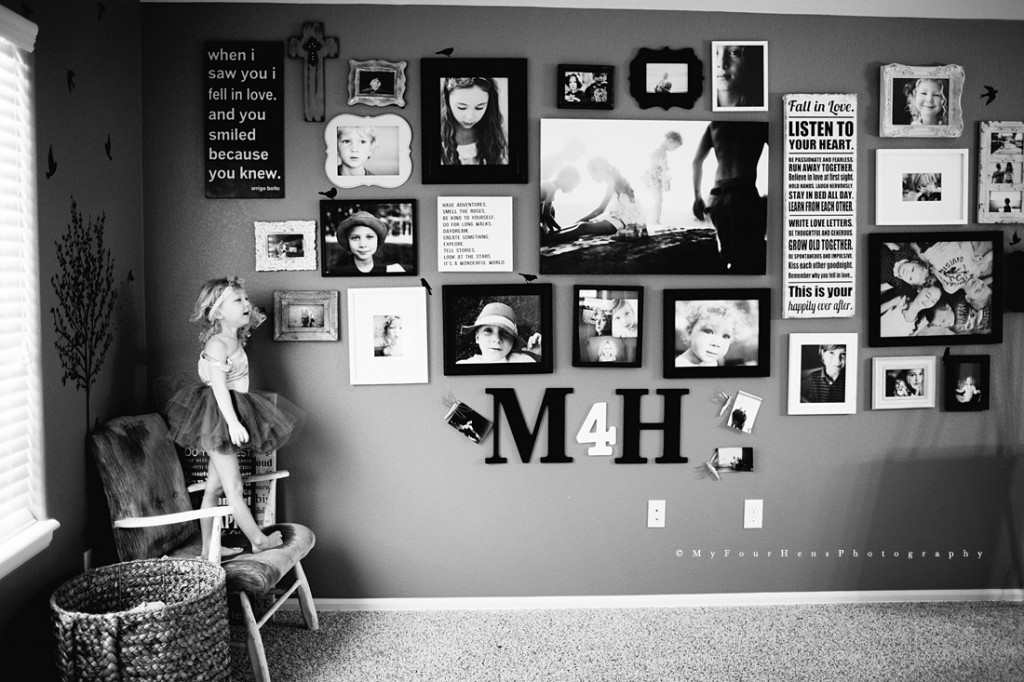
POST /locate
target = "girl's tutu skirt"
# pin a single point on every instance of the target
(196, 421)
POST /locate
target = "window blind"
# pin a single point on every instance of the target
(22, 504)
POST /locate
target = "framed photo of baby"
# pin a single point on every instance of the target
(966, 387)
(921, 101)
(608, 330)
(935, 288)
(497, 329)
(474, 120)
(716, 333)
(368, 237)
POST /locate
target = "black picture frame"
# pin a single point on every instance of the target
(607, 326)
(748, 353)
(592, 92)
(967, 386)
(679, 66)
(509, 77)
(465, 305)
(401, 246)
(944, 267)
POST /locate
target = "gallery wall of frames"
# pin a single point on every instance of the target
(528, 269)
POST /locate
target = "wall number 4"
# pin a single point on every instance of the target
(595, 430)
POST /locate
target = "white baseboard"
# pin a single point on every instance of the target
(658, 600)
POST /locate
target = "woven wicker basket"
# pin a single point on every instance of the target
(154, 619)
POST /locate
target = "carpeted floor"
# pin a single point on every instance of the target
(919, 642)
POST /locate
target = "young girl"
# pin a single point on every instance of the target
(496, 334)
(624, 219)
(472, 126)
(391, 337)
(220, 415)
(623, 316)
(657, 177)
(710, 329)
(364, 235)
(926, 102)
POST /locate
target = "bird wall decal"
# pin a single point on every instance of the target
(51, 165)
(989, 95)
(447, 52)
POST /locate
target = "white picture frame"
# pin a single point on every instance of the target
(898, 84)
(1000, 172)
(806, 363)
(899, 383)
(390, 160)
(285, 245)
(921, 186)
(370, 312)
(749, 73)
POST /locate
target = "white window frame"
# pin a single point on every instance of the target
(29, 530)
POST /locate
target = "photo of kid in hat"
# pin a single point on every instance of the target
(362, 236)
(497, 338)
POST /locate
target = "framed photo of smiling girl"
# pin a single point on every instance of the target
(474, 120)
(921, 101)
(716, 333)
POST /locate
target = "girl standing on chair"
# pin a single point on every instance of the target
(220, 415)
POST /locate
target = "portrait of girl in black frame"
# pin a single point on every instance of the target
(474, 120)
(497, 329)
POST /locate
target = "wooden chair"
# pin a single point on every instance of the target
(152, 516)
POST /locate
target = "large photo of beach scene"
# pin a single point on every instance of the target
(655, 197)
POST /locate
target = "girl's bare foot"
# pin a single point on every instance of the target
(269, 542)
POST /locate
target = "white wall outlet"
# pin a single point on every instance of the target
(753, 513)
(655, 513)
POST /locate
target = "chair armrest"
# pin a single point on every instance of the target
(255, 478)
(167, 519)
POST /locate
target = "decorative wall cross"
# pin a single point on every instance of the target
(312, 48)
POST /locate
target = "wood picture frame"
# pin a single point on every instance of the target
(666, 78)
(921, 186)
(739, 75)
(905, 382)
(967, 386)
(306, 316)
(608, 326)
(823, 373)
(491, 100)
(1000, 172)
(585, 86)
(397, 254)
(903, 88)
(376, 82)
(287, 245)
(716, 333)
(380, 351)
(935, 288)
(368, 150)
(520, 314)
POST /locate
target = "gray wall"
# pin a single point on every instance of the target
(405, 507)
(103, 52)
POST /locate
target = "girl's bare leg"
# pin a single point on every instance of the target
(231, 481)
(211, 498)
